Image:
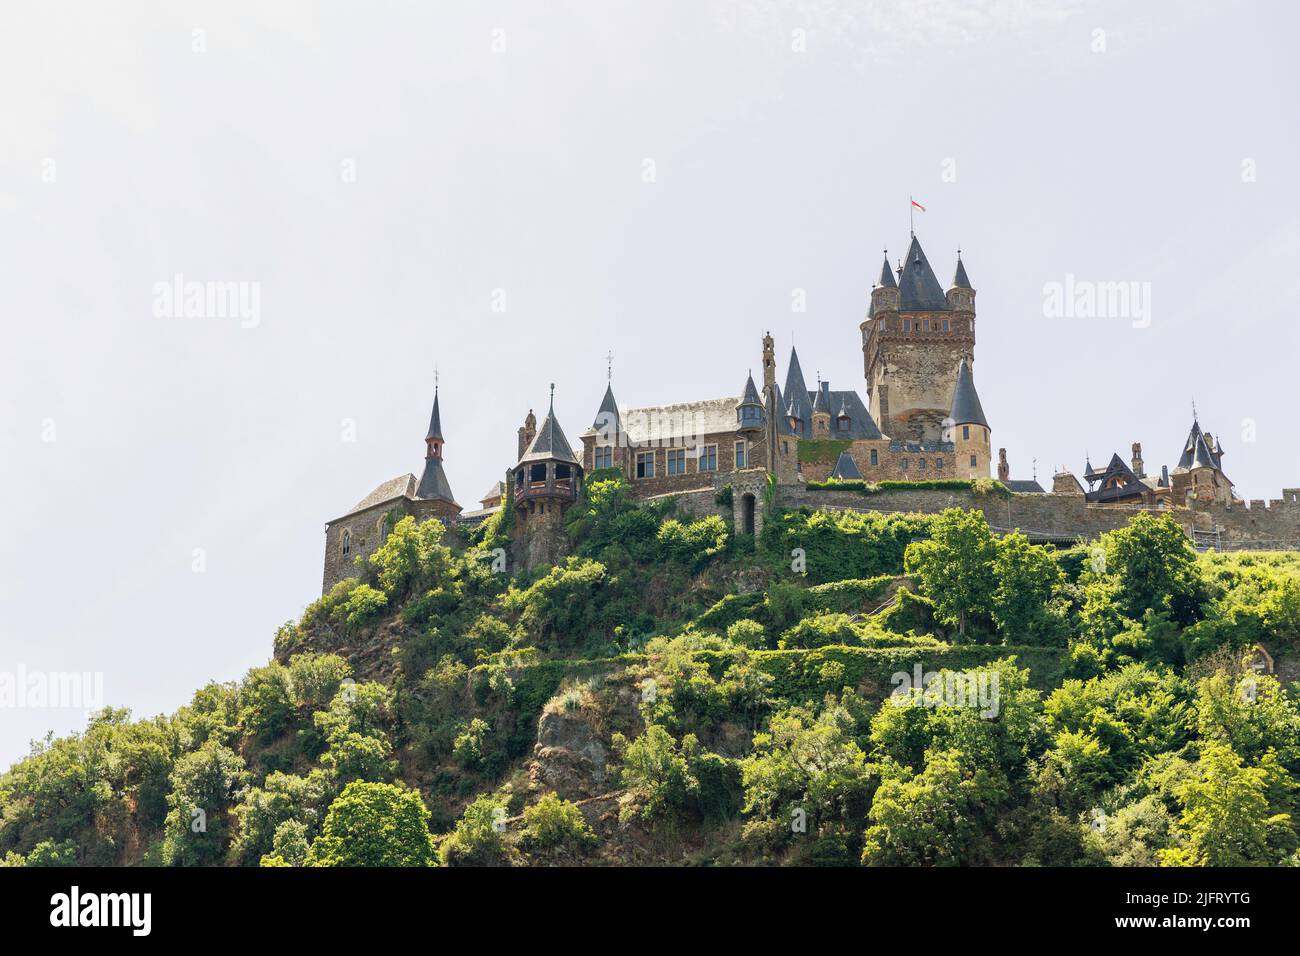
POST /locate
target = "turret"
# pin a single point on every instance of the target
(968, 427)
(961, 297)
(821, 410)
(749, 410)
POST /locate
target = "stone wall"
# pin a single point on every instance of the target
(364, 531)
(1276, 524)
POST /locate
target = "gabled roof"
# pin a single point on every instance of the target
(918, 289)
(607, 414)
(1025, 486)
(435, 420)
(434, 484)
(959, 280)
(845, 468)
(966, 407)
(403, 486)
(549, 443)
(1130, 485)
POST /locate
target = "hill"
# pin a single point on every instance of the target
(848, 689)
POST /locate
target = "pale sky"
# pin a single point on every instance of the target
(377, 172)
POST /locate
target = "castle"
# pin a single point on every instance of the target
(922, 420)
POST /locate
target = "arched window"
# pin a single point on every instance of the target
(347, 542)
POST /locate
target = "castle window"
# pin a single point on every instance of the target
(904, 464)
(740, 454)
(842, 423)
(973, 462)
(604, 457)
(676, 461)
(347, 543)
(537, 473)
(875, 457)
(945, 325)
(927, 325)
(938, 463)
(562, 470)
(645, 464)
(965, 433)
(708, 458)
(920, 464)
(785, 447)
(907, 325)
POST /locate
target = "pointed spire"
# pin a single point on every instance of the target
(966, 408)
(550, 441)
(959, 280)
(919, 290)
(797, 392)
(750, 396)
(887, 275)
(435, 420)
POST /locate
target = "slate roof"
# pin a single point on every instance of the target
(798, 396)
(1197, 452)
(680, 420)
(435, 420)
(403, 486)
(966, 407)
(1131, 486)
(1029, 486)
(750, 396)
(607, 415)
(918, 289)
(959, 280)
(549, 443)
(887, 276)
(845, 468)
(434, 484)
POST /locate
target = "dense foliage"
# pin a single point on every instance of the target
(851, 689)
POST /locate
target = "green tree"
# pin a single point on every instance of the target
(1227, 819)
(955, 566)
(1155, 567)
(374, 824)
(1026, 577)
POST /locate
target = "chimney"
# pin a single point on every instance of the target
(1004, 469)
(1137, 460)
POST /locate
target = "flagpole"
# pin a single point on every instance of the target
(911, 217)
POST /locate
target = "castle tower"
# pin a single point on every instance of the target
(967, 428)
(547, 480)
(434, 486)
(1199, 474)
(1139, 468)
(912, 329)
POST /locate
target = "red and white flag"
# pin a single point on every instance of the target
(918, 205)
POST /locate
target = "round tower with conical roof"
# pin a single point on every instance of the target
(546, 481)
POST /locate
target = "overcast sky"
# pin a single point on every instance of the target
(656, 179)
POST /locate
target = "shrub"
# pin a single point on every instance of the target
(552, 822)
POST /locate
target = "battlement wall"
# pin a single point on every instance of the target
(1065, 516)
